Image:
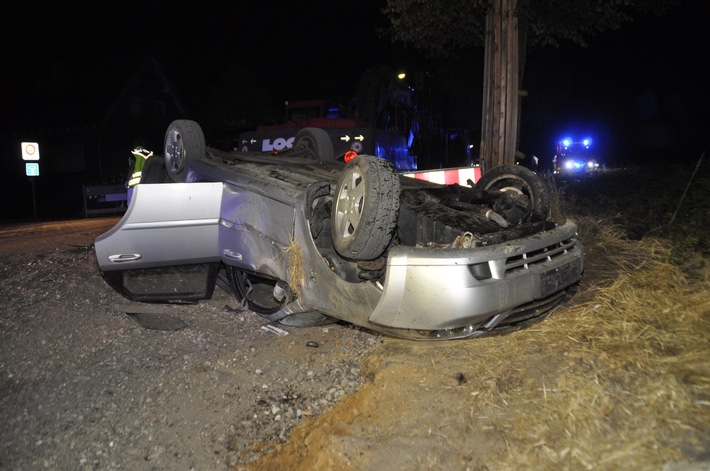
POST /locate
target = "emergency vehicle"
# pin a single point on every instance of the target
(381, 120)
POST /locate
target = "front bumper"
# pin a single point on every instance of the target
(472, 289)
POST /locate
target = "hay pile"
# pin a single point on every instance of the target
(635, 390)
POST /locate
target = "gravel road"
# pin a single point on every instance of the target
(84, 386)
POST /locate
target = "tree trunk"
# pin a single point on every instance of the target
(499, 133)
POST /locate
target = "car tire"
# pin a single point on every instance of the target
(366, 208)
(184, 141)
(154, 170)
(317, 141)
(520, 180)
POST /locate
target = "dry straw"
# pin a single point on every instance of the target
(635, 389)
(295, 267)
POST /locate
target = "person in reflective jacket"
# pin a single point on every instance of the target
(136, 162)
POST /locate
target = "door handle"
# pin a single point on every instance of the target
(229, 253)
(124, 257)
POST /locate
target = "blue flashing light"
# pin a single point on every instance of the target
(333, 112)
(566, 142)
(410, 138)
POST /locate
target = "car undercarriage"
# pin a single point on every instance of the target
(297, 237)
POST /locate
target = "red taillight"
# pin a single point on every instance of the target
(349, 155)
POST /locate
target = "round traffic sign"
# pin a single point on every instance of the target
(30, 150)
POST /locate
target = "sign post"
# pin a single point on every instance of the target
(30, 152)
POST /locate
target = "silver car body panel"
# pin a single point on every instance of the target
(165, 224)
(255, 231)
(440, 283)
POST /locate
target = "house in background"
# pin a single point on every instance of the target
(95, 151)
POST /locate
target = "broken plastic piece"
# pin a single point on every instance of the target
(275, 330)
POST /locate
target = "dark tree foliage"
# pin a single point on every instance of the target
(437, 26)
(440, 27)
(547, 22)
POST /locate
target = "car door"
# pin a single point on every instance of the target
(165, 248)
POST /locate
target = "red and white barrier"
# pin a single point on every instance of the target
(448, 176)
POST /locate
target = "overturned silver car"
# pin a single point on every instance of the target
(302, 235)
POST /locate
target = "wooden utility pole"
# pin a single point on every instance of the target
(499, 132)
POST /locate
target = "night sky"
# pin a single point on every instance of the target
(642, 91)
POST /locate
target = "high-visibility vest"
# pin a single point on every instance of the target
(140, 155)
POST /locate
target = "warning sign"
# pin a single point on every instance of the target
(30, 150)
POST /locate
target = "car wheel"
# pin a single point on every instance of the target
(366, 207)
(523, 184)
(184, 141)
(317, 141)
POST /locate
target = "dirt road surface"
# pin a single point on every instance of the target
(84, 386)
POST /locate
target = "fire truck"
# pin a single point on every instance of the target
(575, 156)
